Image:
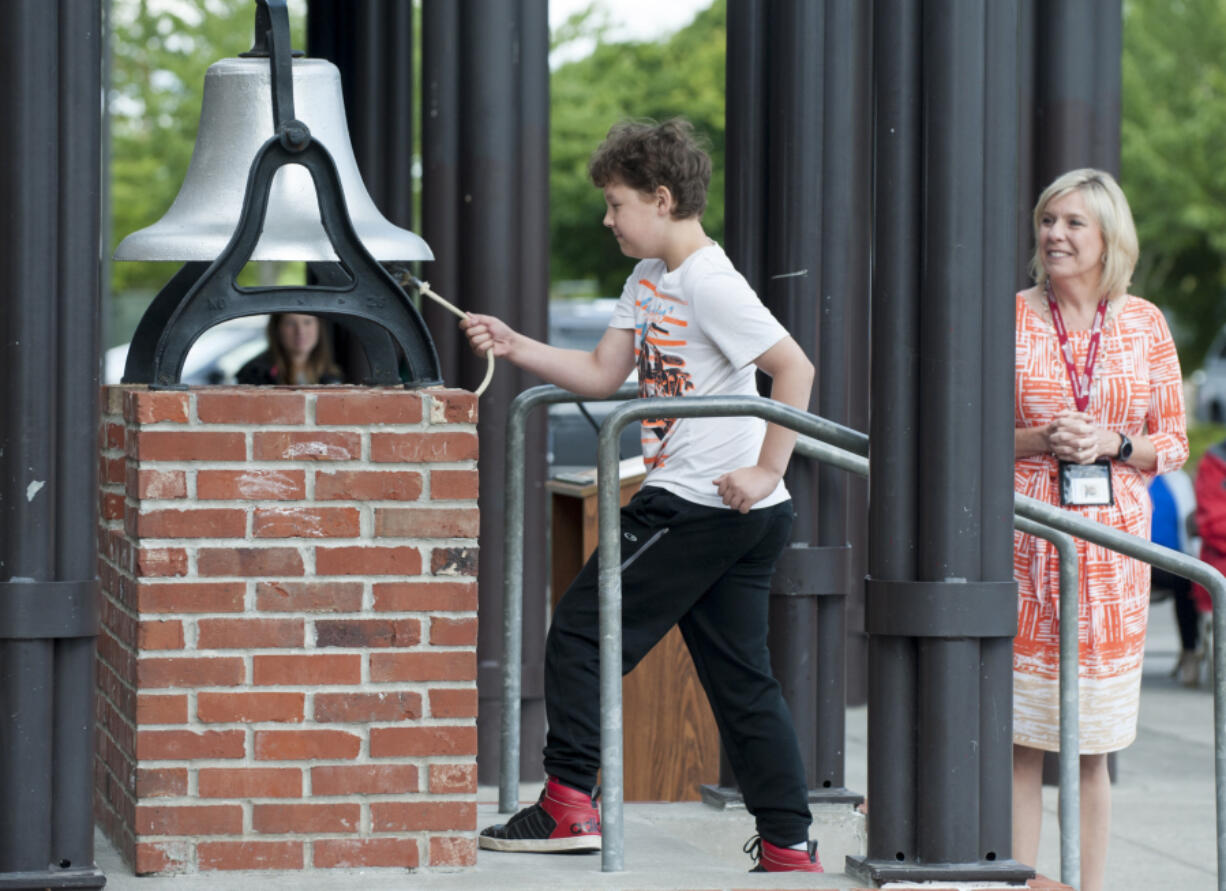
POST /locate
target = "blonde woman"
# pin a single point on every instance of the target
(1098, 411)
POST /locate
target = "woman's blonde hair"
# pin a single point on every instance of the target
(1106, 202)
(318, 364)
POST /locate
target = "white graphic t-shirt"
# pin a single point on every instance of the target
(697, 331)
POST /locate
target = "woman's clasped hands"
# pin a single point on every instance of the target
(1074, 438)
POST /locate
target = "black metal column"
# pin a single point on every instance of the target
(941, 602)
(1000, 175)
(371, 43)
(797, 206)
(1070, 117)
(745, 138)
(440, 176)
(795, 42)
(485, 214)
(531, 310)
(745, 232)
(773, 225)
(1077, 85)
(50, 61)
(842, 355)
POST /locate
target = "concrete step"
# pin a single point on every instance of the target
(677, 846)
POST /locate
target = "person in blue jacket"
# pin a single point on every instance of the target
(1173, 525)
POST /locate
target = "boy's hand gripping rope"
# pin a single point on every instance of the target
(407, 277)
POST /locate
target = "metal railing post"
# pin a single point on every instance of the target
(513, 561)
(512, 605)
(1070, 737)
(1049, 522)
(608, 503)
(1182, 565)
(513, 578)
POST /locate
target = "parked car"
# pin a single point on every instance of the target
(573, 427)
(214, 358)
(1211, 383)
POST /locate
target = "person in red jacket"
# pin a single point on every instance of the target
(1210, 489)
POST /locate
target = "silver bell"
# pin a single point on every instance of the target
(235, 120)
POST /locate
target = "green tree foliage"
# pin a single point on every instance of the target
(160, 51)
(1172, 138)
(683, 75)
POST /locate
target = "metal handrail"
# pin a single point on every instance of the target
(845, 448)
(1056, 525)
(1066, 549)
(1178, 564)
(827, 432)
(609, 575)
(513, 577)
(513, 562)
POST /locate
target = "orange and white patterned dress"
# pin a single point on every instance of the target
(1137, 388)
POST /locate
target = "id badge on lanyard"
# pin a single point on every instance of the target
(1082, 484)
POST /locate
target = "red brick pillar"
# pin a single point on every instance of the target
(287, 657)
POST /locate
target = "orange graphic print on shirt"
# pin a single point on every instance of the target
(661, 373)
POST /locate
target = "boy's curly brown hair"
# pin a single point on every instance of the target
(645, 155)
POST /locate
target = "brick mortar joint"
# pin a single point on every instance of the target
(138, 542)
(132, 648)
(108, 700)
(355, 615)
(116, 745)
(351, 835)
(242, 426)
(161, 503)
(324, 541)
(122, 608)
(424, 648)
(282, 464)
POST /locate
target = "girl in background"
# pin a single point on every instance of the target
(299, 352)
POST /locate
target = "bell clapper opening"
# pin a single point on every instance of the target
(407, 278)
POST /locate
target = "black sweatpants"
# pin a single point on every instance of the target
(707, 570)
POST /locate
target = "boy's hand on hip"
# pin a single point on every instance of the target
(743, 488)
(487, 333)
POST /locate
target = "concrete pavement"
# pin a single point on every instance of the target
(1162, 835)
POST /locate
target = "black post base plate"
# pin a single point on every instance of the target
(91, 877)
(726, 797)
(879, 872)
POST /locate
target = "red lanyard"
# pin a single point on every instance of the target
(1079, 382)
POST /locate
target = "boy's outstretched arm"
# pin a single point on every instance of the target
(791, 383)
(596, 374)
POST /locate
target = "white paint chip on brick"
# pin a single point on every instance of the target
(309, 523)
(317, 449)
(265, 484)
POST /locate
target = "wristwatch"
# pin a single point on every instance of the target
(1125, 451)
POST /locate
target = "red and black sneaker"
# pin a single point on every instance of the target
(772, 858)
(563, 821)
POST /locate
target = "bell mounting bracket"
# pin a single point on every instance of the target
(356, 293)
